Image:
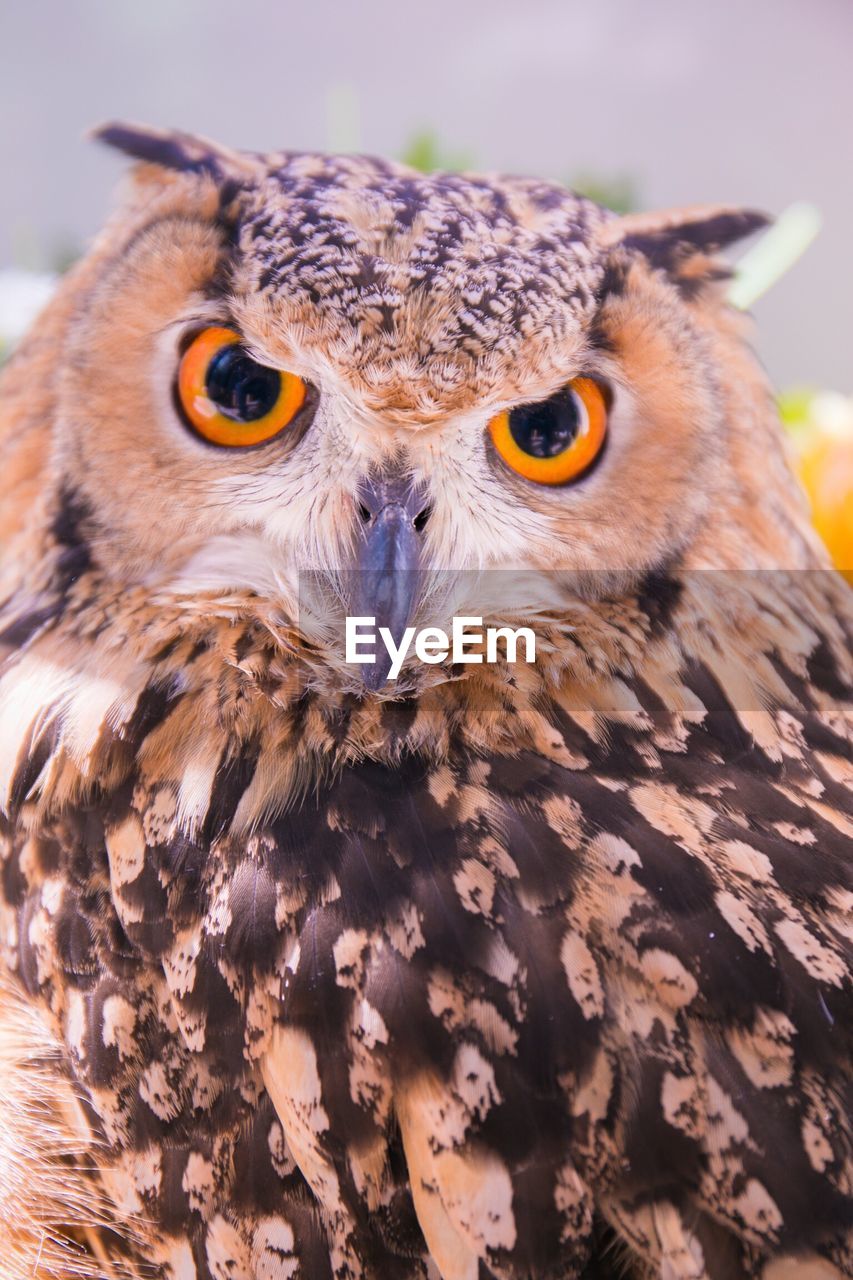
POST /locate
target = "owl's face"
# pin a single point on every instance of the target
(276, 348)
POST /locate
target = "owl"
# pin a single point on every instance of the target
(486, 968)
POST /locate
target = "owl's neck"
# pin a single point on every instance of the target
(93, 698)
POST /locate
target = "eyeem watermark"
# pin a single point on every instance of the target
(469, 641)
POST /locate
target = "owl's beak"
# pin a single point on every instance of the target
(384, 585)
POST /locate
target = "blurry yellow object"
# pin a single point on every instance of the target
(821, 427)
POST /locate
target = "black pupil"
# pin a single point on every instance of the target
(239, 387)
(548, 427)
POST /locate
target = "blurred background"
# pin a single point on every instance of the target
(642, 105)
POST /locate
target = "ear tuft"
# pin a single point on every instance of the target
(696, 228)
(172, 149)
(684, 243)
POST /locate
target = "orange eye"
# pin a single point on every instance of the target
(553, 441)
(228, 397)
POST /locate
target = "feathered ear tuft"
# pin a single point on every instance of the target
(699, 228)
(172, 149)
(681, 241)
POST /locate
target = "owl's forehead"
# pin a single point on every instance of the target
(423, 291)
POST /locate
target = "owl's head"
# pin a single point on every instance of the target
(273, 364)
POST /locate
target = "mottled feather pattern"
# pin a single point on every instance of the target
(533, 971)
(565, 981)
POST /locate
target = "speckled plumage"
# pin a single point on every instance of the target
(515, 972)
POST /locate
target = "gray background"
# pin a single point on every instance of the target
(748, 101)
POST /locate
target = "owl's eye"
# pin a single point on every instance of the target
(228, 397)
(556, 440)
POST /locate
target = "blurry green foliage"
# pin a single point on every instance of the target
(618, 193)
(425, 152)
(795, 407)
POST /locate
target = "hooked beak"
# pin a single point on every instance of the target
(388, 562)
